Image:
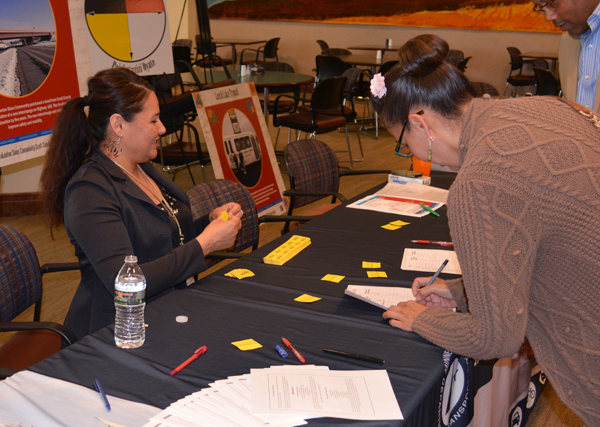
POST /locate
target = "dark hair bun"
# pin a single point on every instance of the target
(422, 54)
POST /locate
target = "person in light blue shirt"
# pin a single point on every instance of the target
(579, 52)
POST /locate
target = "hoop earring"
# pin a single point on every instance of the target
(430, 141)
(114, 148)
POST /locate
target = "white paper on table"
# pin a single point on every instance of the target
(359, 395)
(31, 399)
(380, 296)
(403, 199)
(430, 260)
(411, 190)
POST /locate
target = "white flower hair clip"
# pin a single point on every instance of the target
(378, 88)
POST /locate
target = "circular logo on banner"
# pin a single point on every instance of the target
(531, 393)
(453, 389)
(517, 417)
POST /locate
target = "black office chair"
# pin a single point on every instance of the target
(268, 51)
(177, 112)
(21, 287)
(323, 112)
(516, 64)
(329, 66)
(546, 83)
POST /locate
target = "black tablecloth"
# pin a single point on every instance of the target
(222, 310)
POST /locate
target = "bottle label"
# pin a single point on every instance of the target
(130, 298)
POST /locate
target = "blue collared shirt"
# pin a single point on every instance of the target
(589, 61)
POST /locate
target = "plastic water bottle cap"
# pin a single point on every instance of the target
(181, 319)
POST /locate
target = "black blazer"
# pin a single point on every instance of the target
(107, 217)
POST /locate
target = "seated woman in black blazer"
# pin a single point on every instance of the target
(98, 180)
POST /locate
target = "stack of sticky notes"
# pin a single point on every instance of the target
(287, 251)
(240, 273)
(395, 225)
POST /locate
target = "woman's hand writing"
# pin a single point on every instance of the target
(436, 294)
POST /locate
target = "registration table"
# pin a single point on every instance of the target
(222, 310)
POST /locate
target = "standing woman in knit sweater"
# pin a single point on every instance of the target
(524, 214)
(99, 181)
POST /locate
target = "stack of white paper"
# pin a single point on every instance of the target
(285, 396)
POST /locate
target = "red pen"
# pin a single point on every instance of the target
(293, 350)
(431, 242)
(196, 355)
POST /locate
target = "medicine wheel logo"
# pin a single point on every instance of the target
(126, 30)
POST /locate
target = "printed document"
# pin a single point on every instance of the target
(357, 395)
(404, 199)
(430, 260)
(380, 296)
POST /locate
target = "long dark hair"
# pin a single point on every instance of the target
(423, 79)
(76, 135)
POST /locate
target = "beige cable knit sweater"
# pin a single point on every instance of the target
(524, 215)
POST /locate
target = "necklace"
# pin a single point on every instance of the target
(161, 199)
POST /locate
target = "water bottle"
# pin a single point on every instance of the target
(130, 302)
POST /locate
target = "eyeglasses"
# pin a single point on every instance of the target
(400, 146)
(549, 6)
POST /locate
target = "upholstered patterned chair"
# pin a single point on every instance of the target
(314, 174)
(20, 288)
(207, 196)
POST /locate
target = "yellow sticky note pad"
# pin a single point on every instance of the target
(376, 274)
(245, 345)
(224, 215)
(306, 298)
(240, 273)
(391, 227)
(333, 278)
(367, 264)
(399, 223)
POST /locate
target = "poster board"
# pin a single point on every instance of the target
(38, 75)
(239, 144)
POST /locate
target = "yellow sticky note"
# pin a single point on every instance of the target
(376, 274)
(367, 264)
(333, 278)
(248, 344)
(240, 273)
(224, 215)
(399, 223)
(391, 227)
(306, 298)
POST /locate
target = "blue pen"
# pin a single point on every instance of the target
(437, 273)
(281, 351)
(100, 390)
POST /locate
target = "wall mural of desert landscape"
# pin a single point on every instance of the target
(515, 15)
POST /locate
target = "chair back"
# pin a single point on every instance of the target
(328, 95)
(279, 66)
(182, 53)
(174, 110)
(336, 51)
(546, 82)
(312, 166)
(516, 62)
(462, 65)
(270, 49)
(183, 42)
(482, 88)
(455, 56)
(329, 66)
(323, 45)
(20, 275)
(207, 196)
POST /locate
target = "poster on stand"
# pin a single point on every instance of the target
(38, 75)
(131, 34)
(239, 144)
